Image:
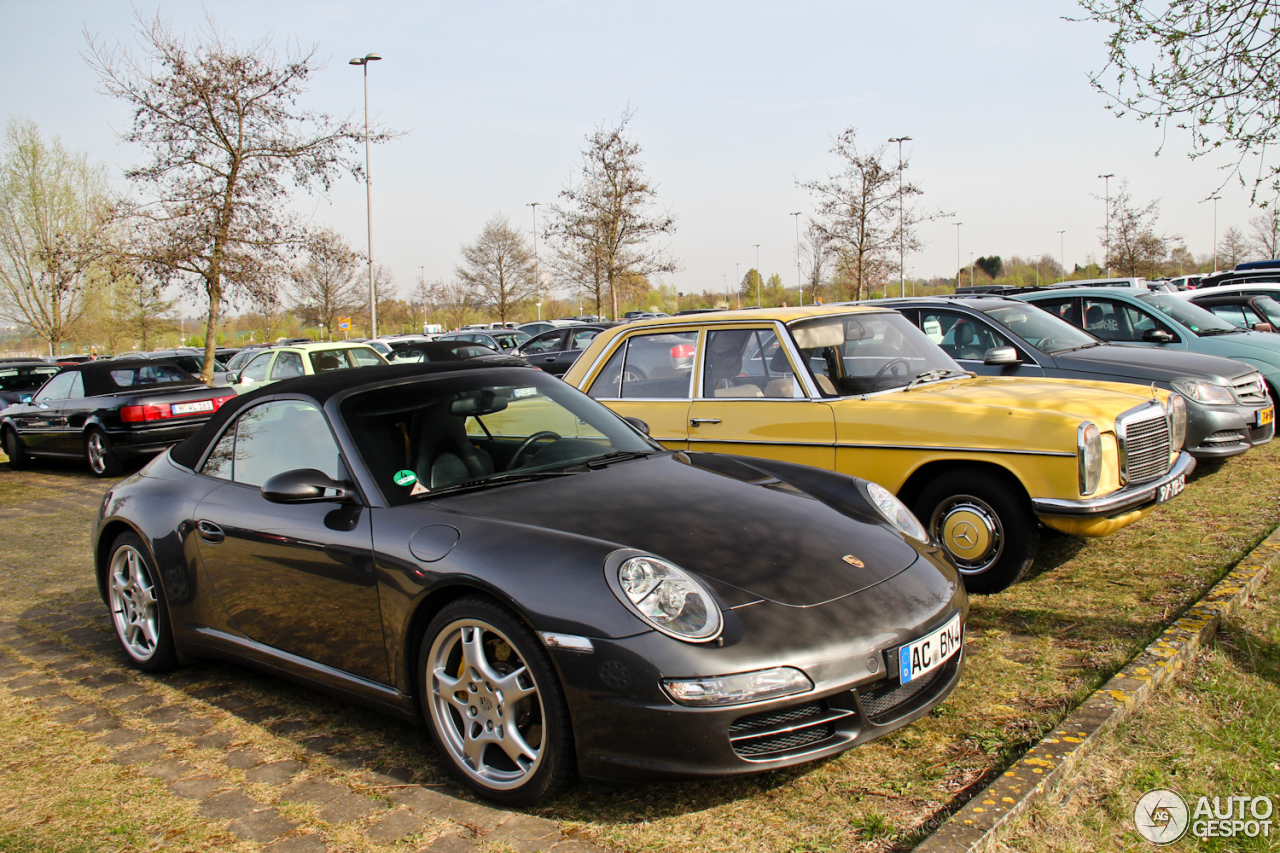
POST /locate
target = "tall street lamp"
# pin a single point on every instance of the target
(1062, 253)
(737, 281)
(537, 275)
(368, 189)
(799, 281)
(902, 235)
(1214, 199)
(1106, 250)
(958, 267)
(758, 276)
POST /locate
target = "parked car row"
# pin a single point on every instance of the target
(745, 538)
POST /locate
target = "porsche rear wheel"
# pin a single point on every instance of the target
(984, 525)
(494, 704)
(138, 610)
(100, 455)
(18, 458)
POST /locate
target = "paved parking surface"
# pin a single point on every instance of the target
(273, 766)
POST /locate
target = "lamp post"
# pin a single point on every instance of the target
(1106, 222)
(422, 279)
(799, 281)
(724, 281)
(737, 281)
(1062, 253)
(958, 268)
(758, 276)
(902, 235)
(537, 276)
(1214, 199)
(368, 189)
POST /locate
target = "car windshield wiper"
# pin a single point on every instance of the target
(931, 375)
(1208, 333)
(1089, 345)
(617, 456)
(497, 480)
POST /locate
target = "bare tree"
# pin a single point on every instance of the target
(1265, 238)
(327, 284)
(1232, 247)
(450, 303)
(817, 254)
(859, 209)
(1205, 66)
(227, 145)
(498, 267)
(55, 227)
(1135, 249)
(604, 226)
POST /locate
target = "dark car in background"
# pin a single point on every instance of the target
(498, 340)
(21, 377)
(1228, 408)
(107, 411)
(494, 554)
(1255, 305)
(423, 350)
(555, 351)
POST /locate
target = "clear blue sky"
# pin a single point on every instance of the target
(733, 101)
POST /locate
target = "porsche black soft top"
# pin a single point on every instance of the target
(320, 387)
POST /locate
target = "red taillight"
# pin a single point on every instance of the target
(218, 401)
(137, 414)
(682, 351)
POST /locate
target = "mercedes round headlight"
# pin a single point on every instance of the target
(896, 513)
(1203, 392)
(1089, 456)
(669, 599)
(1177, 421)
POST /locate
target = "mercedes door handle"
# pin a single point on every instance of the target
(701, 421)
(210, 532)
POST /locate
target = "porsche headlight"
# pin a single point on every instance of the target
(896, 513)
(738, 689)
(1177, 408)
(669, 599)
(1089, 456)
(1203, 392)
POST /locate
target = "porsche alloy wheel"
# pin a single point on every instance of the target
(495, 707)
(983, 525)
(137, 607)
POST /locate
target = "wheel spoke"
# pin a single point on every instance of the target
(512, 688)
(516, 747)
(473, 653)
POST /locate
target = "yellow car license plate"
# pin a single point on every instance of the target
(1266, 416)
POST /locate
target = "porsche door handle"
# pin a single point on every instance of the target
(210, 532)
(701, 421)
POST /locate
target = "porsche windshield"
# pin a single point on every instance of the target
(476, 430)
(864, 353)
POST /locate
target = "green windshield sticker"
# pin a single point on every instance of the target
(405, 478)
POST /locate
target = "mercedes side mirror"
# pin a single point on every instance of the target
(306, 485)
(1263, 327)
(1157, 336)
(1001, 355)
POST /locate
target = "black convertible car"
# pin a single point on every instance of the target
(106, 412)
(489, 551)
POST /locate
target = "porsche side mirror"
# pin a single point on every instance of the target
(1157, 336)
(306, 485)
(1001, 355)
(638, 424)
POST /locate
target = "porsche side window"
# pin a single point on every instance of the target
(649, 367)
(280, 436)
(219, 462)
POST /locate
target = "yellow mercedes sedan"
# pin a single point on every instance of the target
(861, 391)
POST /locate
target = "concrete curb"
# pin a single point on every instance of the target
(977, 826)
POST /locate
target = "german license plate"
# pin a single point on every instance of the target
(1266, 416)
(192, 408)
(1171, 489)
(930, 651)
